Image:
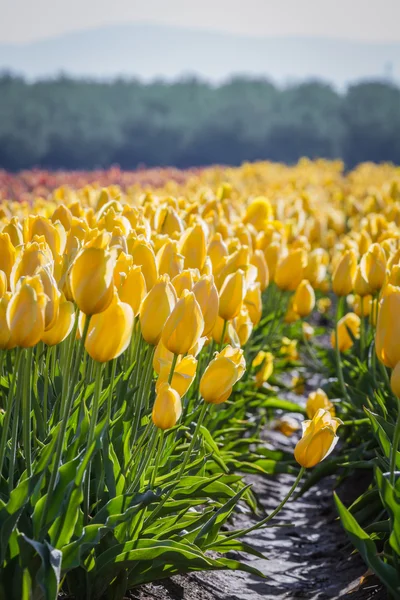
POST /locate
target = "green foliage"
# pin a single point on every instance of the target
(79, 124)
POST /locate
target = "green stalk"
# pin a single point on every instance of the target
(221, 344)
(173, 365)
(243, 532)
(46, 376)
(26, 410)
(10, 402)
(337, 352)
(98, 367)
(158, 455)
(67, 405)
(395, 446)
(14, 433)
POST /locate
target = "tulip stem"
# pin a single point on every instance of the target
(67, 405)
(337, 352)
(173, 365)
(395, 445)
(243, 532)
(8, 408)
(46, 376)
(221, 344)
(160, 436)
(26, 411)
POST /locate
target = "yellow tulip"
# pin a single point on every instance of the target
(388, 329)
(231, 295)
(361, 285)
(289, 349)
(14, 230)
(91, 280)
(3, 283)
(231, 337)
(344, 275)
(266, 360)
(168, 260)
(167, 221)
(273, 252)
(317, 400)
(185, 281)
(193, 247)
(287, 425)
(258, 212)
(220, 376)
(53, 233)
(304, 299)
(183, 377)
(253, 302)
(143, 256)
(5, 333)
(290, 269)
(7, 254)
(207, 296)
(243, 326)
(217, 250)
(167, 407)
(33, 256)
(318, 440)
(156, 308)
(258, 260)
(184, 325)
(132, 288)
(110, 332)
(351, 322)
(26, 312)
(63, 325)
(373, 267)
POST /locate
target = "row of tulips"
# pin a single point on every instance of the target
(142, 340)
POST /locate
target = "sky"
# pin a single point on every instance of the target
(368, 20)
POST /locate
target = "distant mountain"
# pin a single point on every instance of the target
(149, 51)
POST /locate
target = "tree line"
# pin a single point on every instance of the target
(83, 124)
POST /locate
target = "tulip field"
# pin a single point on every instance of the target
(151, 325)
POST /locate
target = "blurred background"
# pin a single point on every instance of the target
(89, 84)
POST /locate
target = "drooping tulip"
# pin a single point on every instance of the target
(318, 440)
(156, 308)
(167, 407)
(351, 322)
(184, 325)
(110, 332)
(91, 280)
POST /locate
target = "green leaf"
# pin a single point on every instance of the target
(48, 574)
(367, 548)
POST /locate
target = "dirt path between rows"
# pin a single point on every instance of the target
(310, 558)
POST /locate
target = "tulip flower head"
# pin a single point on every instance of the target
(318, 440)
(167, 407)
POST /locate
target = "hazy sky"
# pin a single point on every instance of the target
(373, 20)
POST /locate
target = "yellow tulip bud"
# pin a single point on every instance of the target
(361, 285)
(167, 407)
(167, 221)
(3, 283)
(388, 329)
(184, 325)
(273, 252)
(7, 254)
(132, 288)
(193, 247)
(253, 302)
(33, 256)
(258, 213)
(63, 325)
(53, 233)
(183, 377)
(317, 400)
(266, 360)
(184, 281)
(343, 277)
(232, 295)
(91, 280)
(143, 256)
(258, 260)
(373, 267)
(110, 332)
(5, 333)
(319, 439)
(351, 322)
(26, 313)
(290, 269)
(243, 326)
(221, 375)
(287, 425)
(304, 299)
(207, 296)
(168, 260)
(156, 308)
(14, 230)
(217, 250)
